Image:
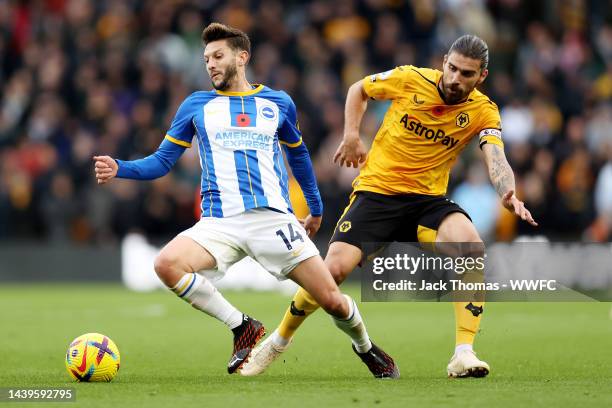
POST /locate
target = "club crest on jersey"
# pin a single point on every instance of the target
(243, 120)
(462, 120)
(267, 113)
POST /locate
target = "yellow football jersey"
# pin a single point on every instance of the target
(421, 136)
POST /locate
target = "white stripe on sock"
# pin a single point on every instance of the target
(354, 327)
(202, 295)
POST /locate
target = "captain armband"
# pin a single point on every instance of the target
(492, 136)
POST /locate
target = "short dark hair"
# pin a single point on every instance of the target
(472, 46)
(236, 39)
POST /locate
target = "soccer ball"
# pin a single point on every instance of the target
(92, 357)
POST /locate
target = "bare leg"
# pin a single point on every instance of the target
(341, 260)
(177, 264)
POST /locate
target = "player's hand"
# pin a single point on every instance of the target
(350, 152)
(106, 168)
(512, 203)
(312, 224)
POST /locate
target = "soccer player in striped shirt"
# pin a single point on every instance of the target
(239, 128)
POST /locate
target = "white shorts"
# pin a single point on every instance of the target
(276, 240)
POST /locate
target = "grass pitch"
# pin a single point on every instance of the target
(541, 354)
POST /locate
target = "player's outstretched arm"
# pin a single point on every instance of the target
(352, 151)
(151, 167)
(502, 177)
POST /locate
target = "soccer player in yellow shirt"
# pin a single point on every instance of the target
(399, 194)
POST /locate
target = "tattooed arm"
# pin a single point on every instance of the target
(500, 173)
(502, 177)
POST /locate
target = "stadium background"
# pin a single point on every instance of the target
(79, 78)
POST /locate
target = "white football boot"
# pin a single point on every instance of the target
(262, 356)
(465, 364)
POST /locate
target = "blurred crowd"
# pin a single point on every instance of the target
(80, 77)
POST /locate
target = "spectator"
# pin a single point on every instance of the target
(79, 77)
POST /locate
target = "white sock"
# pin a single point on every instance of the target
(463, 347)
(279, 340)
(202, 295)
(354, 327)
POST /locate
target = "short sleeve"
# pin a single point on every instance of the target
(386, 85)
(490, 129)
(181, 130)
(289, 133)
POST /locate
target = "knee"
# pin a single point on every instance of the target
(338, 269)
(456, 227)
(473, 237)
(335, 305)
(469, 238)
(166, 268)
(476, 247)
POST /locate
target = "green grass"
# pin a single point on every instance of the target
(541, 354)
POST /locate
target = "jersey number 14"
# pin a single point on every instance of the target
(293, 236)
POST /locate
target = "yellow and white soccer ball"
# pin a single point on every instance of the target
(92, 357)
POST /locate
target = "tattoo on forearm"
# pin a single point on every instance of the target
(500, 172)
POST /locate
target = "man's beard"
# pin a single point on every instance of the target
(230, 74)
(453, 98)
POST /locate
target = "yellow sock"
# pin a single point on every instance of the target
(469, 305)
(301, 307)
(467, 321)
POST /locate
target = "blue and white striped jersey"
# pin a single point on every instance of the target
(238, 135)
